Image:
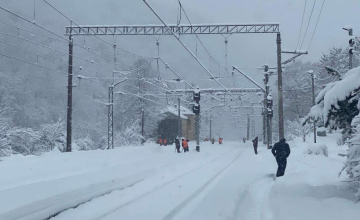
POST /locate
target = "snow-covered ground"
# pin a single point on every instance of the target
(151, 182)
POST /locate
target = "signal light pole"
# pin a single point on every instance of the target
(196, 110)
(351, 45)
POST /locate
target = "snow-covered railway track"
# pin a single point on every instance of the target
(48, 208)
(183, 204)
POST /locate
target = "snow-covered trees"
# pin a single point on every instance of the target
(295, 129)
(337, 106)
(141, 98)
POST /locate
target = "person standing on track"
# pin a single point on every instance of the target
(160, 141)
(185, 145)
(177, 144)
(255, 144)
(281, 152)
(165, 142)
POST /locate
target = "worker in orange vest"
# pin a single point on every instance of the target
(160, 141)
(220, 140)
(185, 145)
(165, 142)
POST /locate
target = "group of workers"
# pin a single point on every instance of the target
(213, 140)
(163, 141)
(184, 143)
(281, 150)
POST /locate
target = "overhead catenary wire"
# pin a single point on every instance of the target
(43, 28)
(316, 24)
(302, 21)
(34, 64)
(44, 57)
(307, 27)
(191, 53)
(202, 44)
(94, 34)
(58, 35)
(34, 33)
(50, 48)
(37, 25)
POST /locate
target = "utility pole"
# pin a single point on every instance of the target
(196, 110)
(311, 72)
(280, 89)
(142, 125)
(211, 119)
(69, 104)
(179, 121)
(248, 128)
(265, 115)
(270, 114)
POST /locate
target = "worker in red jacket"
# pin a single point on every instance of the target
(160, 141)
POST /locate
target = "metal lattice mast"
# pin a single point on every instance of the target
(111, 118)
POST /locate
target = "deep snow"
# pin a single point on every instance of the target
(151, 182)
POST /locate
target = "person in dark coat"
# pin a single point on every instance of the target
(255, 144)
(281, 152)
(177, 144)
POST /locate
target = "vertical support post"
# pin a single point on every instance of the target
(313, 100)
(210, 125)
(264, 125)
(69, 103)
(270, 133)
(197, 131)
(226, 54)
(248, 128)
(350, 53)
(179, 120)
(280, 89)
(157, 60)
(265, 121)
(211, 118)
(142, 125)
(111, 118)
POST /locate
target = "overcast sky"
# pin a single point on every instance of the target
(245, 50)
(335, 14)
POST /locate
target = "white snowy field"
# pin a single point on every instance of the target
(151, 182)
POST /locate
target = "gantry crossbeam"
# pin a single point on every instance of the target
(211, 91)
(177, 29)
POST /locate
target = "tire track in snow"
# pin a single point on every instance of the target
(183, 204)
(162, 185)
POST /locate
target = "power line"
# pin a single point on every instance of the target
(34, 64)
(94, 34)
(307, 27)
(207, 51)
(316, 24)
(50, 48)
(32, 32)
(27, 20)
(190, 52)
(302, 21)
(43, 28)
(44, 57)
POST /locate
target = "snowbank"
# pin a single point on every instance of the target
(317, 149)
